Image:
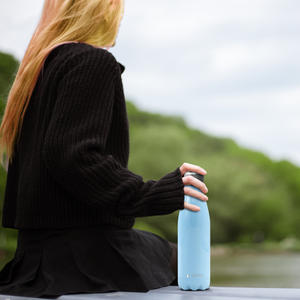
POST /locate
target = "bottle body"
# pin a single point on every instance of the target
(194, 246)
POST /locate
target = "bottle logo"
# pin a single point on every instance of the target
(192, 275)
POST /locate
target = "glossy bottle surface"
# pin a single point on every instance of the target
(194, 246)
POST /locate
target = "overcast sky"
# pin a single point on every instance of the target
(229, 67)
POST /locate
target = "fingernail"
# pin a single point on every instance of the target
(206, 198)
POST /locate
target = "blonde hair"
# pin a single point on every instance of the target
(94, 22)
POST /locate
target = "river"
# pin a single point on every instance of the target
(256, 270)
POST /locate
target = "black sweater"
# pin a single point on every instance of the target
(70, 164)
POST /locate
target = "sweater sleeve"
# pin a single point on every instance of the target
(74, 147)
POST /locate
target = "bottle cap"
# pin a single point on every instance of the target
(194, 174)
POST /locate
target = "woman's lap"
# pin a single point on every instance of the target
(100, 258)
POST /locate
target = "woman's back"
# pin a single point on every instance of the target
(76, 114)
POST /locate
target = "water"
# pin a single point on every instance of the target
(256, 270)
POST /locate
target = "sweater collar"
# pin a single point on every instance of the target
(122, 68)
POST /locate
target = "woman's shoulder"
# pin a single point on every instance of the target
(84, 52)
(73, 55)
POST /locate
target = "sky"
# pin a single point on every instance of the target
(230, 68)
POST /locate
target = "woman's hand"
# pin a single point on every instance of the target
(190, 180)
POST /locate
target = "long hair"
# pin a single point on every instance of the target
(94, 22)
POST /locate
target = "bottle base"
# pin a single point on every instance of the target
(194, 284)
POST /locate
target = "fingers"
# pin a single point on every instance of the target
(189, 167)
(190, 180)
(196, 194)
(193, 193)
(191, 206)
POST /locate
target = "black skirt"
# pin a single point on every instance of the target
(94, 259)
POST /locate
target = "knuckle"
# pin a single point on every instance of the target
(188, 179)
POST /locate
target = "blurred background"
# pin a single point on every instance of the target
(214, 83)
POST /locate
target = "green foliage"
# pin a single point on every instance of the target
(8, 68)
(283, 173)
(243, 200)
(248, 191)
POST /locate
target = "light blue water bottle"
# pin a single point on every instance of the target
(194, 244)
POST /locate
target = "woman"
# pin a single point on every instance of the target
(69, 192)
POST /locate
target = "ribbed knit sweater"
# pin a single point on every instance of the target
(70, 163)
